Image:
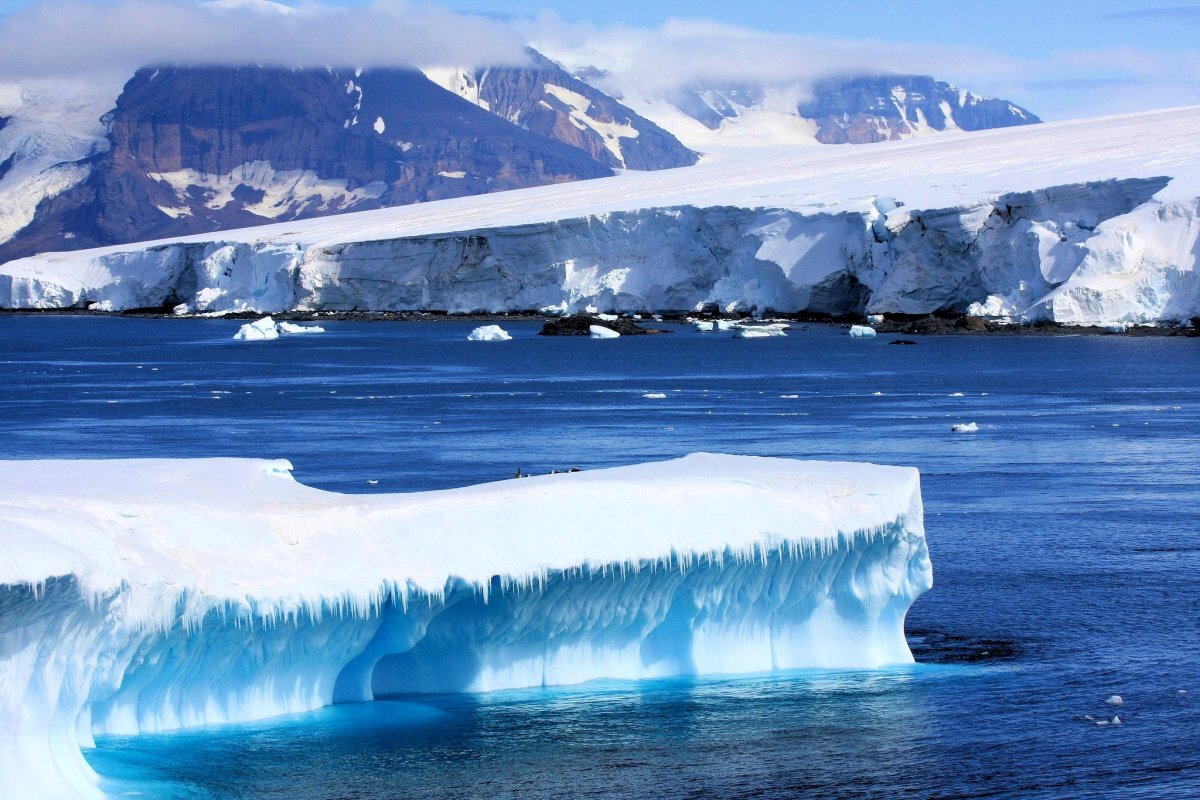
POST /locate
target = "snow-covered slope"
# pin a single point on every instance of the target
(149, 595)
(1088, 221)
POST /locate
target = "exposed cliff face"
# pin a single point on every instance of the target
(196, 149)
(545, 99)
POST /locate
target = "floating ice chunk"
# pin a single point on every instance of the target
(874, 319)
(102, 306)
(258, 331)
(380, 126)
(789, 397)
(958, 394)
(705, 326)
(608, 317)
(181, 309)
(1114, 700)
(291, 328)
(861, 331)
(489, 333)
(756, 332)
(1116, 720)
(727, 324)
(654, 396)
(601, 332)
(372, 482)
(965, 427)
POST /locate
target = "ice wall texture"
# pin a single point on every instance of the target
(1092, 221)
(149, 595)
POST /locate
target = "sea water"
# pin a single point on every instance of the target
(1065, 536)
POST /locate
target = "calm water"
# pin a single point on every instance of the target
(1065, 537)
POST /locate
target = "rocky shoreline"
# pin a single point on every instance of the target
(904, 324)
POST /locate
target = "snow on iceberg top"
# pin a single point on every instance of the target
(945, 171)
(243, 530)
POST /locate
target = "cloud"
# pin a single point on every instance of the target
(697, 52)
(73, 38)
(1173, 13)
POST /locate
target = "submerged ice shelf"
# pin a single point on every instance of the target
(147, 595)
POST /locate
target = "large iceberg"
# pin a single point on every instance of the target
(1092, 221)
(148, 595)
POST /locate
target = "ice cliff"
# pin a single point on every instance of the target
(1093, 221)
(148, 595)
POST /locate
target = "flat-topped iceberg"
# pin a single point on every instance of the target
(148, 595)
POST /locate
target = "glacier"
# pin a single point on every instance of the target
(148, 595)
(1085, 222)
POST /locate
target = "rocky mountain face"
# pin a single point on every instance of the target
(198, 149)
(858, 109)
(547, 100)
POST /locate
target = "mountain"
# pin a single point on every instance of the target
(1095, 221)
(190, 149)
(854, 109)
(546, 99)
(199, 149)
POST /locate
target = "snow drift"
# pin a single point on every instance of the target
(148, 595)
(1094, 221)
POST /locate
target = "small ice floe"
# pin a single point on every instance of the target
(1114, 700)
(705, 326)
(259, 331)
(727, 324)
(654, 396)
(756, 332)
(861, 331)
(372, 482)
(876, 394)
(965, 427)
(789, 397)
(874, 319)
(291, 328)
(1182, 691)
(601, 332)
(608, 317)
(489, 333)
(958, 394)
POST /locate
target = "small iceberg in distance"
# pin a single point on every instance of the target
(861, 332)
(292, 328)
(965, 427)
(601, 332)
(489, 333)
(757, 332)
(258, 331)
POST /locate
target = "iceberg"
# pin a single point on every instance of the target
(489, 333)
(757, 332)
(290, 328)
(261, 330)
(965, 427)
(601, 332)
(861, 332)
(150, 595)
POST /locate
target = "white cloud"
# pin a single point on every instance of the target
(50, 38)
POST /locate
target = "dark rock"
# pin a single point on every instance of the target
(901, 341)
(862, 109)
(578, 325)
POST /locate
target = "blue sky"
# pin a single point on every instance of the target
(1061, 58)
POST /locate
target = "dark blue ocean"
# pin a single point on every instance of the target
(1065, 538)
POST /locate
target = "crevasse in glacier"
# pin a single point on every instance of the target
(155, 594)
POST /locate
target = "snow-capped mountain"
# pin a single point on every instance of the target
(1094, 221)
(859, 109)
(546, 99)
(189, 149)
